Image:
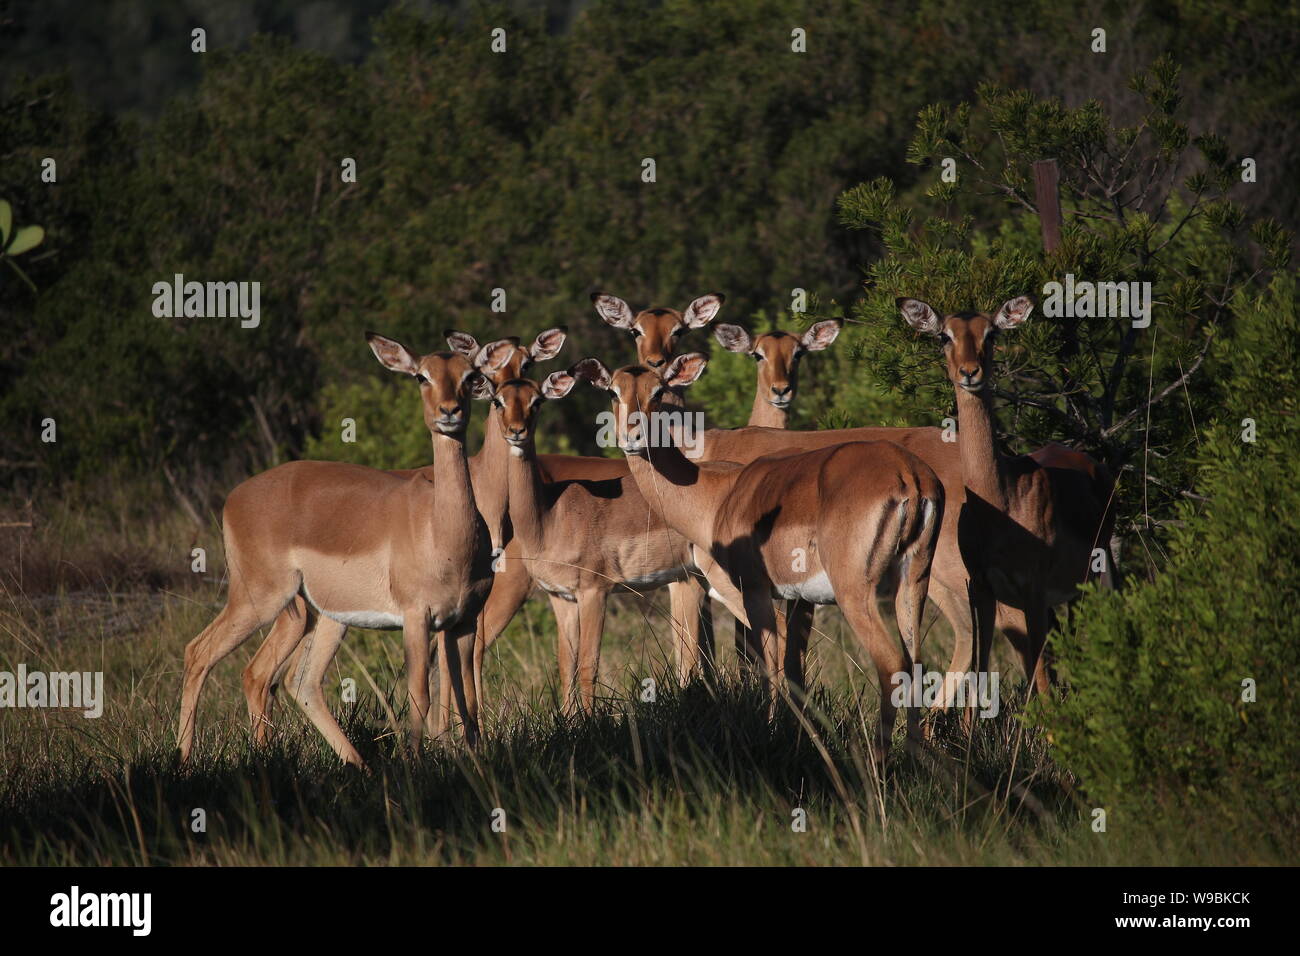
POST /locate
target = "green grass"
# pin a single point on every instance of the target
(697, 776)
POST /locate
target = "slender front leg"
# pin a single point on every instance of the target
(458, 653)
(591, 628)
(692, 622)
(798, 626)
(415, 638)
(762, 618)
(567, 642)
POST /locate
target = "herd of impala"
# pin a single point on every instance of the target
(835, 516)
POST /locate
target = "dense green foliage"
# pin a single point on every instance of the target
(1129, 395)
(478, 171)
(1157, 708)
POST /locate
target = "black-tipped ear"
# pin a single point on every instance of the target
(703, 310)
(685, 369)
(393, 355)
(1014, 312)
(594, 371)
(492, 357)
(821, 335)
(548, 344)
(559, 384)
(481, 387)
(462, 342)
(733, 338)
(613, 310)
(919, 315)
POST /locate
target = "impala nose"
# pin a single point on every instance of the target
(655, 362)
(782, 393)
(449, 410)
(970, 375)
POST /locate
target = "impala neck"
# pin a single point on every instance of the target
(492, 482)
(684, 494)
(456, 510)
(526, 498)
(766, 415)
(981, 464)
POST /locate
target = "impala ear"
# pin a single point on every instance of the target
(462, 342)
(733, 338)
(559, 384)
(703, 310)
(613, 310)
(821, 335)
(482, 387)
(393, 355)
(594, 371)
(919, 315)
(548, 344)
(493, 356)
(1013, 312)
(685, 370)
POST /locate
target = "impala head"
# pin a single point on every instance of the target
(777, 354)
(518, 401)
(517, 359)
(967, 337)
(638, 392)
(657, 330)
(447, 381)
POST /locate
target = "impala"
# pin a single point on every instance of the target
(825, 526)
(298, 627)
(361, 547)
(1030, 522)
(776, 356)
(632, 550)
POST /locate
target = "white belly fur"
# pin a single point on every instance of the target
(378, 620)
(815, 590)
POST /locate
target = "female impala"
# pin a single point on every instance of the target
(299, 627)
(824, 526)
(361, 547)
(1030, 522)
(776, 356)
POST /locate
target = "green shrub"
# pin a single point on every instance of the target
(1154, 713)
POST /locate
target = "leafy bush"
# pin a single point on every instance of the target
(1154, 711)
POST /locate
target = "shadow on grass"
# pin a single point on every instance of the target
(697, 757)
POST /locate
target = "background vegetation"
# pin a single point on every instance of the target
(775, 172)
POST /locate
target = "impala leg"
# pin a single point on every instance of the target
(591, 628)
(458, 653)
(763, 620)
(415, 641)
(692, 621)
(567, 640)
(798, 627)
(956, 609)
(890, 658)
(306, 686)
(265, 670)
(231, 627)
(439, 722)
(510, 588)
(985, 614)
(1038, 622)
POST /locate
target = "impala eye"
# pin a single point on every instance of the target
(944, 339)
(419, 377)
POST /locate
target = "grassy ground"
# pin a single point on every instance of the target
(698, 776)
